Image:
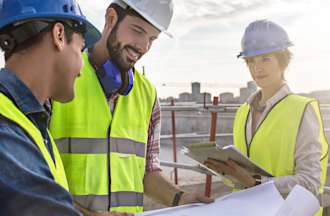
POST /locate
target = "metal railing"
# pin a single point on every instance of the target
(214, 108)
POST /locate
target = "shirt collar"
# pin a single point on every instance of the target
(279, 95)
(20, 93)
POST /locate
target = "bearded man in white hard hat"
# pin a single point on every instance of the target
(109, 135)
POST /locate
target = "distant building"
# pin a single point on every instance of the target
(236, 100)
(204, 96)
(226, 98)
(168, 100)
(185, 97)
(195, 90)
(246, 92)
(252, 86)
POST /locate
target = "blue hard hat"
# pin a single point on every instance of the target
(13, 11)
(262, 37)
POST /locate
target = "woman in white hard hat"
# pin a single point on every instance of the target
(277, 129)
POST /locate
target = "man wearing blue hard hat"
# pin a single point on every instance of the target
(42, 42)
(109, 134)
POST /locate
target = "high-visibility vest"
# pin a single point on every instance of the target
(11, 112)
(273, 144)
(104, 153)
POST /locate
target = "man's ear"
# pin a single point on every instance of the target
(58, 35)
(111, 19)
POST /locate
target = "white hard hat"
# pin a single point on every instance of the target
(158, 12)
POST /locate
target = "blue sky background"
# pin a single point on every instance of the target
(207, 40)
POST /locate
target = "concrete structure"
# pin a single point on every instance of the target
(196, 123)
(321, 96)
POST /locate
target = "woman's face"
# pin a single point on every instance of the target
(265, 70)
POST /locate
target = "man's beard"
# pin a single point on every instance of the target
(115, 49)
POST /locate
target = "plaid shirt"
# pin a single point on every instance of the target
(153, 144)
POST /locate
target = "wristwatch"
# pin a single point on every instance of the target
(177, 198)
(257, 178)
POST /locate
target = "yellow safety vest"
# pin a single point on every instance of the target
(273, 145)
(104, 153)
(11, 112)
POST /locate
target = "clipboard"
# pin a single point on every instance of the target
(202, 151)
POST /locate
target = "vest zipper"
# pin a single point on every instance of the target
(108, 166)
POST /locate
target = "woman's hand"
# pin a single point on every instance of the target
(232, 169)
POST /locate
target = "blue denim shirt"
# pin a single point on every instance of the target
(27, 186)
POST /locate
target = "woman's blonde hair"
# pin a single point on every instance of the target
(284, 58)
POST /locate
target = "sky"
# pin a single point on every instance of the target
(207, 37)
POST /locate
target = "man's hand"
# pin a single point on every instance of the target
(158, 187)
(187, 198)
(232, 169)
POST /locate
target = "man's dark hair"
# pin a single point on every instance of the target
(35, 40)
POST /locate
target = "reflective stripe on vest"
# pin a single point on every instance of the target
(11, 112)
(100, 146)
(118, 199)
(83, 127)
(273, 144)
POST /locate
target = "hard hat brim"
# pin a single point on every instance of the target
(262, 52)
(91, 36)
